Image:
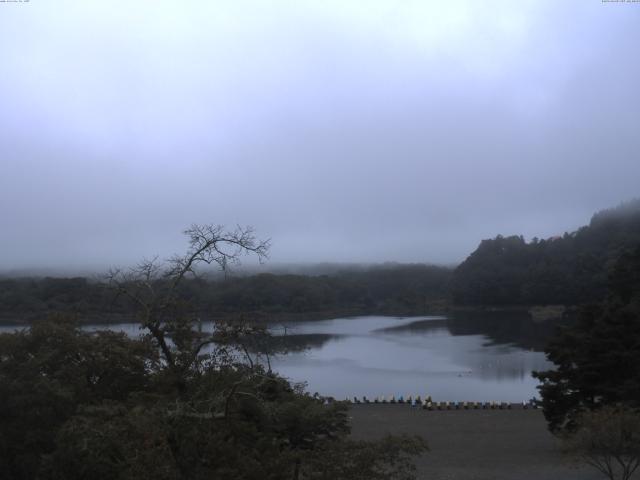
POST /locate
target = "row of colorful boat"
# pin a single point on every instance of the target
(427, 403)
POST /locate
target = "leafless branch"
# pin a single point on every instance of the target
(151, 285)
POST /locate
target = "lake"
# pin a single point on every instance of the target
(467, 357)
(451, 359)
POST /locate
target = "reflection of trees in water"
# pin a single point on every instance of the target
(417, 326)
(501, 328)
(296, 343)
(505, 367)
(504, 327)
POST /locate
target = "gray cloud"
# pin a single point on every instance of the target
(345, 131)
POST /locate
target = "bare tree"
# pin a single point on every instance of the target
(608, 439)
(152, 286)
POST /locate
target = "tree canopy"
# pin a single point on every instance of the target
(570, 269)
(395, 289)
(598, 359)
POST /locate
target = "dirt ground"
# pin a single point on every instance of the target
(474, 444)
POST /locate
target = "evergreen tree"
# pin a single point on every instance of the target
(597, 360)
(571, 269)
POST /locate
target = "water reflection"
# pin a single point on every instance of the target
(514, 328)
(500, 328)
(456, 358)
(299, 342)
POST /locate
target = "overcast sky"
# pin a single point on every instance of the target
(344, 130)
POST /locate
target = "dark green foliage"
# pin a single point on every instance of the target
(34, 298)
(569, 270)
(387, 288)
(47, 372)
(76, 405)
(384, 289)
(597, 360)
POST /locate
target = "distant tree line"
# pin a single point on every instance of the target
(504, 271)
(385, 289)
(571, 269)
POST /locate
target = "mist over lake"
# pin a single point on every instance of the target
(377, 355)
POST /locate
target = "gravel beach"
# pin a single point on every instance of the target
(474, 444)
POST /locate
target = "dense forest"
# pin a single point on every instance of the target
(571, 269)
(382, 289)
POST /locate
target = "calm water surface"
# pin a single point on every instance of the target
(450, 359)
(477, 358)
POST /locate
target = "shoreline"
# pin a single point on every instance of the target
(537, 313)
(103, 318)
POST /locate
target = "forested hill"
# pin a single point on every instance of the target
(571, 269)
